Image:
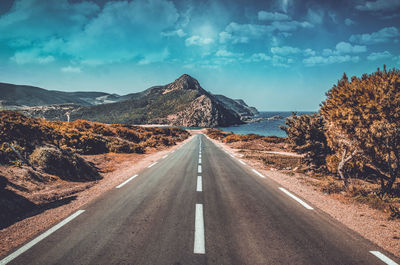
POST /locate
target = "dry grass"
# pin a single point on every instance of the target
(257, 148)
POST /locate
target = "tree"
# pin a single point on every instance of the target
(306, 134)
(363, 117)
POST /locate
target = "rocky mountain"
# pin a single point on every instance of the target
(239, 106)
(182, 103)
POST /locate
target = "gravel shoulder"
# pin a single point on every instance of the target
(370, 223)
(117, 168)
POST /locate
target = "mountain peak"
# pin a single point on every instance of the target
(185, 82)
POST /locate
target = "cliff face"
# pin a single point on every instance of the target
(238, 105)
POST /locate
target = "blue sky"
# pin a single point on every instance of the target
(276, 55)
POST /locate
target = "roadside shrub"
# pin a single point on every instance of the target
(63, 163)
(306, 135)
(124, 147)
(363, 119)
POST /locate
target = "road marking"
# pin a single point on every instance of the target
(231, 155)
(164, 156)
(199, 184)
(39, 238)
(258, 173)
(383, 258)
(296, 199)
(152, 164)
(199, 244)
(126, 181)
(241, 162)
(199, 168)
(199, 160)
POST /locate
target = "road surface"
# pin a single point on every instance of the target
(199, 205)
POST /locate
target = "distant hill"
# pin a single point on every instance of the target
(18, 95)
(182, 103)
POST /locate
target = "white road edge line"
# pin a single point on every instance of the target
(199, 169)
(199, 184)
(258, 173)
(152, 164)
(383, 258)
(199, 244)
(126, 181)
(296, 199)
(241, 162)
(39, 238)
(165, 156)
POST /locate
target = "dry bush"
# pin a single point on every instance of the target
(120, 146)
(63, 163)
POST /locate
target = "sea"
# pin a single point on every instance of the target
(268, 127)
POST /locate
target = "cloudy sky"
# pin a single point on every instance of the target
(277, 55)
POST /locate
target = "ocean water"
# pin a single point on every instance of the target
(264, 127)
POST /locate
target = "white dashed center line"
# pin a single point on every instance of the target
(199, 244)
(296, 199)
(199, 168)
(199, 184)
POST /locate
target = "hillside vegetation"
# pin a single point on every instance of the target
(31, 141)
(356, 138)
(44, 164)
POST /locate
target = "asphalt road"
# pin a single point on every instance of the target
(199, 205)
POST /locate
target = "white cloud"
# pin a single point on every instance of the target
(179, 32)
(259, 57)
(290, 25)
(345, 47)
(320, 60)
(60, 18)
(121, 31)
(309, 52)
(349, 22)
(155, 57)
(197, 40)
(31, 56)
(379, 55)
(285, 4)
(315, 16)
(281, 61)
(225, 53)
(379, 5)
(71, 69)
(243, 33)
(285, 50)
(384, 35)
(272, 16)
